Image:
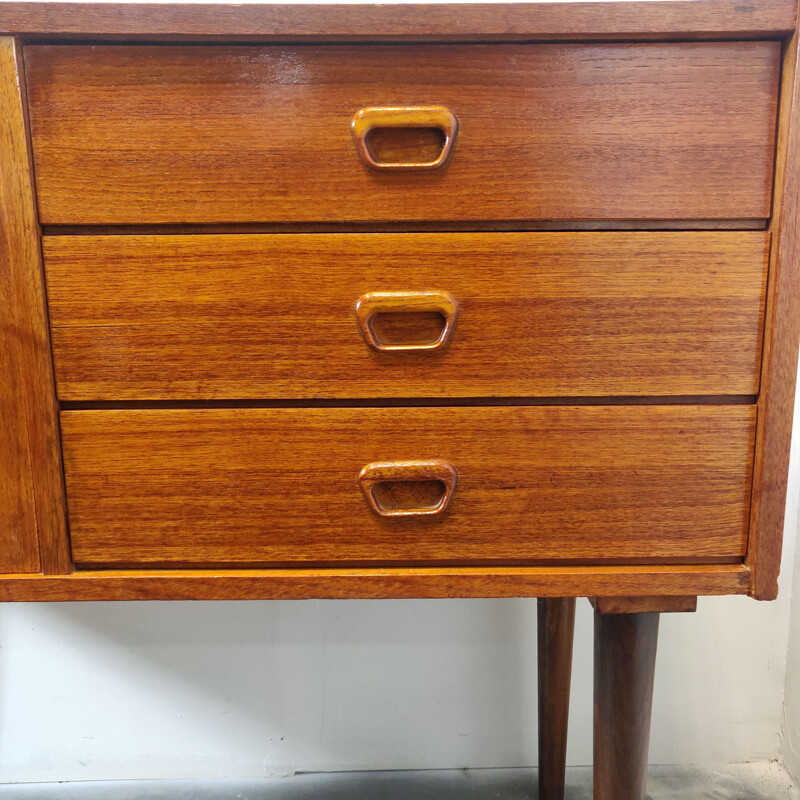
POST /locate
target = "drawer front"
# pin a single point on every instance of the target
(538, 314)
(195, 134)
(533, 484)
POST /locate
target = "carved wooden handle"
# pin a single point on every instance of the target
(404, 117)
(368, 305)
(382, 472)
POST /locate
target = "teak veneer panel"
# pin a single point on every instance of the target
(547, 314)
(779, 366)
(409, 21)
(280, 486)
(297, 584)
(125, 134)
(19, 548)
(32, 519)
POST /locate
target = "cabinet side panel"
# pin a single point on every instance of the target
(32, 517)
(19, 549)
(779, 364)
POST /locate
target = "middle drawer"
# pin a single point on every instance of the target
(527, 314)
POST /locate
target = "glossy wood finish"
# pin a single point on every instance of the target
(540, 314)
(779, 366)
(277, 485)
(32, 520)
(389, 474)
(624, 671)
(556, 624)
(382, 582)
(367, 121)
(19, 548)
(406, 21)
(630, 20)
(131, 135)
(370, 308)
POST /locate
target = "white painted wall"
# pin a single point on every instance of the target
(148, 690)
(236, 689)
(790, 749)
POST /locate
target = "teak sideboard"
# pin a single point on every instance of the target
(404, 301)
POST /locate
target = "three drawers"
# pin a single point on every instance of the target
(594, 387)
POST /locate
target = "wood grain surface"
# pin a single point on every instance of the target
(399, 137)
(409, 21)
(125, 134)
(540, 314)
(32, 519)
(280, 486)
(779, 366)
(665, 604)
(383, 582)
(624, 674)
(555, 635)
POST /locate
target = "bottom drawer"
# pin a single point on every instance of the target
(288, 486)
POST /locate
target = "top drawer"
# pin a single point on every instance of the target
(125, 134)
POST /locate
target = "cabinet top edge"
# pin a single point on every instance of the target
(602, 19)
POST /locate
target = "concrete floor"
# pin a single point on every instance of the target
(740, 782)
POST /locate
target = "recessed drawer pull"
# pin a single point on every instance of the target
(420, 123)
(408, 488)
(380, 316)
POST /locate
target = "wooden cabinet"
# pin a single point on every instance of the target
(397, 301)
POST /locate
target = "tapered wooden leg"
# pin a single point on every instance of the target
(624, 667)
(556, 632)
